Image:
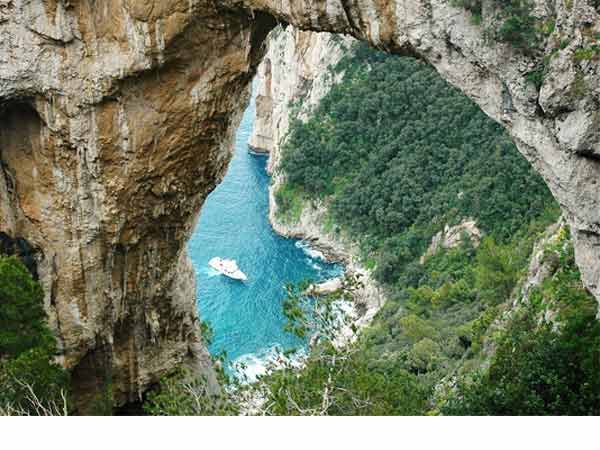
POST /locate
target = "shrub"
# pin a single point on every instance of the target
(289, 203)
(30, 382)
(183, 394)
(547, 368)
(513, 22)
(22, 315)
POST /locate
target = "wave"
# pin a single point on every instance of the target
(247, 368)
(314, 265)
(307, 249)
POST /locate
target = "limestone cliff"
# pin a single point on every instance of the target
(116, 121)
(452, 237)
(293, 77)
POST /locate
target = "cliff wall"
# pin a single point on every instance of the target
(116, 121)
(293, 77)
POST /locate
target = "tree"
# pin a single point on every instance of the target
(497, 272)
(337, 377)
(22, 315)
(30, 381)
(541, 367)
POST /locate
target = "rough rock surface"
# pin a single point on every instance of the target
(116, 120)
(540, 266)
(291, 81)
(451, 237)
(326, 288)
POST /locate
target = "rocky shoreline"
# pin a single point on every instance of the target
(291, 81)
(369, 297)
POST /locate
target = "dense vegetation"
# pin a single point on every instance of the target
(397, 154)
(544, 365)
(547, 355)
(335, 380)
(424, 333)
(30, 382)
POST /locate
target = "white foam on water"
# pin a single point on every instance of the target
(247, 368)
(209, 271)
(306, 248)
(314, 265)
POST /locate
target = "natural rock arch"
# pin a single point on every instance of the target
(135, 104)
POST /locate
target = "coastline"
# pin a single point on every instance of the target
(369, 297)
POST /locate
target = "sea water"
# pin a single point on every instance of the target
(247, 317)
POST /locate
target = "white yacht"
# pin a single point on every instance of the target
(228, 267)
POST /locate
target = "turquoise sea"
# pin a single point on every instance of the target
(247, 317)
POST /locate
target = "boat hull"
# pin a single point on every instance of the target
(217, 264)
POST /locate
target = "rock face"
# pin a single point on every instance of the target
(540, 267)
(451, 237)
(291, 81)
(116, 121)
(326, 288)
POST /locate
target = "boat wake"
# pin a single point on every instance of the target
(208, 271)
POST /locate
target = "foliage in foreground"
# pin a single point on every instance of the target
(30, 382)
(337, 377)
(183, 394)
(343, 382)
(546, 359)
(544, 364)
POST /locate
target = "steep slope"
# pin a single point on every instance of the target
(540, 356)
(291, 80)
(408, 167)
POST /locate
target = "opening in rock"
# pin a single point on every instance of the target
(403, 167)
